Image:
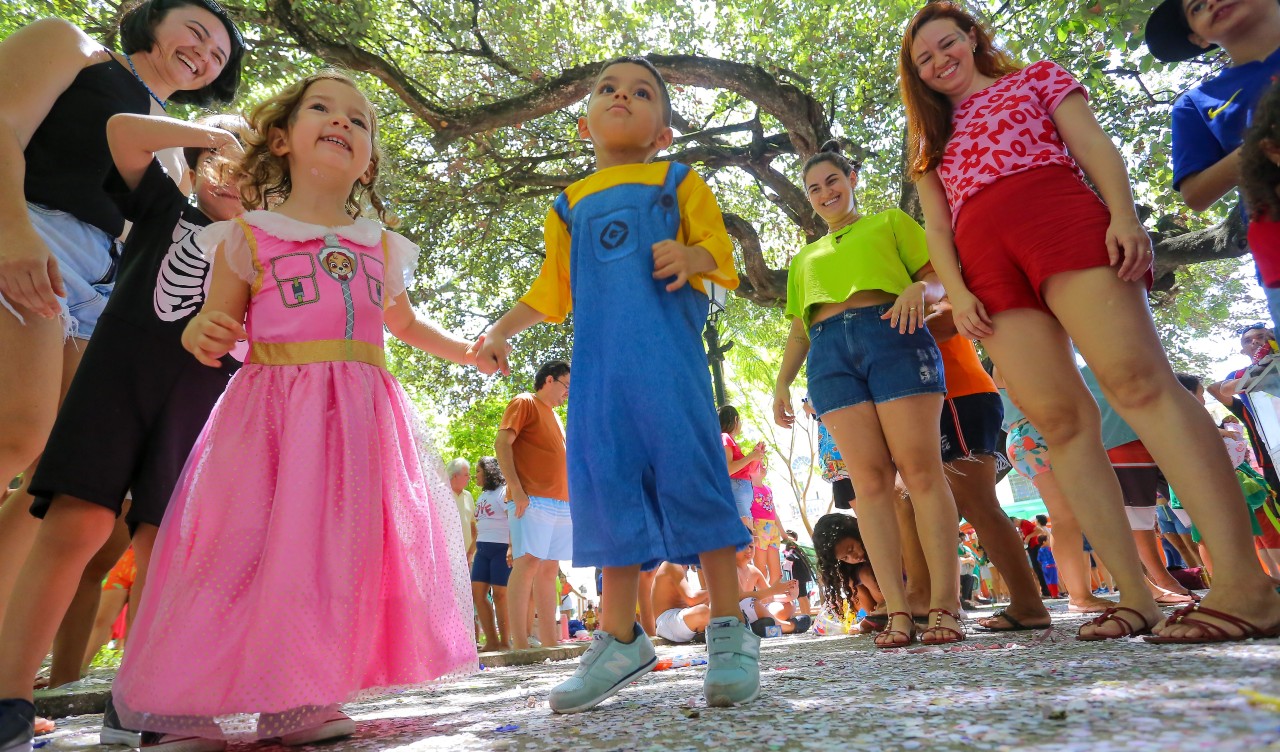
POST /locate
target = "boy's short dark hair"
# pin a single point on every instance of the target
(653, 71)
(137, 34)
(1189, 381)
(552, 369)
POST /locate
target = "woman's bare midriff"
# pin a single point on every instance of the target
(860, 299)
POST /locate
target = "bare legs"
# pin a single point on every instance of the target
(532, 585)
(488, 614)
(973, 483)
(1111, 325)
(1034, 356)
(72, 532)
(874, 439)
(1068, 547)
(36, 359)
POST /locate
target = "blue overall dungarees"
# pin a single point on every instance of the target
(647, 475)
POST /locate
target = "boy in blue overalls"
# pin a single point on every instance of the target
(632, 247)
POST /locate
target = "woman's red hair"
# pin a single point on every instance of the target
(928, 112)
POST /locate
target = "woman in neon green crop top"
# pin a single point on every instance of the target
(857, 300)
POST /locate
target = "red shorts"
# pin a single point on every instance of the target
(1023, 229)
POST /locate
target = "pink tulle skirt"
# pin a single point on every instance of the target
(311, 554)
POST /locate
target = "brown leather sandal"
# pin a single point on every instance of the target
(1212, 632)
(911, 636)
(1113, 614)
(935, 615)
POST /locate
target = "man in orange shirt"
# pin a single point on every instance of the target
(530, 451)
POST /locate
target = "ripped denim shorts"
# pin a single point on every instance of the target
(88, 260)
(855, 357)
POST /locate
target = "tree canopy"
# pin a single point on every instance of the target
(478, 101)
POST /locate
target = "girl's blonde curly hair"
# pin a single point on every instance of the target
(267, 181)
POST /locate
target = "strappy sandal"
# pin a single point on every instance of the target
(956, 635)
(1215, 633)
(1113, 614)
(911, 636)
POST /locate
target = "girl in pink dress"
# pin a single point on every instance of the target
(312, 551)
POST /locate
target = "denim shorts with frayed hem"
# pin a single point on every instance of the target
(87, 260)
(855, 357)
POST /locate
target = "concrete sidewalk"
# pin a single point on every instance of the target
(1013, 691)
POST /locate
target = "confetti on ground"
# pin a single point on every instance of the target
(1025, 692)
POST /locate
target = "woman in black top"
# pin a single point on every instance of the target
(58, 227)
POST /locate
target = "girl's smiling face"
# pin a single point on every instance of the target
(830, 191)
(330, 133)
(943, 57)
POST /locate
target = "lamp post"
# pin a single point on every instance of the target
(715, 351)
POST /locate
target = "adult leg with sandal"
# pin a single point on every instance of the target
(1035, 358)
(902, 433)
(1112, 326)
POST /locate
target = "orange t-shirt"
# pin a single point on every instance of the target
(964, 371)
(538, 448)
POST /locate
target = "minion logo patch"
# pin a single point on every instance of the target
(614, 234)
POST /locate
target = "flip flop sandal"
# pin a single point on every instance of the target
(911, 636)
(1176, 599)
(1215, 632)
(1014, 624)
(876, 622)
(955, 635)
(1113, 614)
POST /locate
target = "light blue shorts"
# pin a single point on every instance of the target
(743, 493)
(87, 259)
(545, 531)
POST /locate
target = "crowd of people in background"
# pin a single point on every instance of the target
(207, 434)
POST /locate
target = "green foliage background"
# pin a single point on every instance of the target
(475, 203)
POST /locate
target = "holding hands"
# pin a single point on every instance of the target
(489, 354)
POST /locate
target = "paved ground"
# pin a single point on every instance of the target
(1025, 691)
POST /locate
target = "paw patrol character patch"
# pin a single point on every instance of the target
(340, 263)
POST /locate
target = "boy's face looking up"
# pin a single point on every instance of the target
(1222, 21)
(1254, 339)
(626, 116)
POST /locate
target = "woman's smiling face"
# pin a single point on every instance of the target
(830, 191)
(943, 57)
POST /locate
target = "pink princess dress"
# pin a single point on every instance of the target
(312, 552)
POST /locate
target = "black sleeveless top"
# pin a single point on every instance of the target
(68, 158)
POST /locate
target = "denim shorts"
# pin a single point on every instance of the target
(743, 495)
(855, 357)
(87, 259)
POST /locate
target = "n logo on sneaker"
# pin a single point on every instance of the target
(618, 664)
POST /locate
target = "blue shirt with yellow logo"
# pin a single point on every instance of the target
(1209, 121)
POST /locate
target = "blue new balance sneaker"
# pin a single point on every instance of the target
(733, 663)
(606, 667)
